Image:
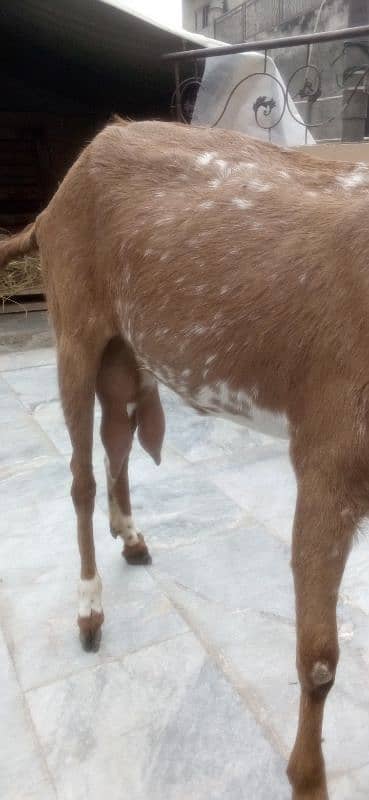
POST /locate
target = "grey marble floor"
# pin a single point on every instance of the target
(193, 694)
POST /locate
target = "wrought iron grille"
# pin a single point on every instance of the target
(345, 78)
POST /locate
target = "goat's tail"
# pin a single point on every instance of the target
(18, 245)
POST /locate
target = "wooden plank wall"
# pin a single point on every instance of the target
(36, 149)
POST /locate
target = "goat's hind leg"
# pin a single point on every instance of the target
(117, 390)
(135, 550)
(323, 531)
(77, 369)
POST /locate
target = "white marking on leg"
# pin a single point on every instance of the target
(121, 524)
(89, 594)
(321, 674)
(131, 408)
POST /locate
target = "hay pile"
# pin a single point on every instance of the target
(20, 276)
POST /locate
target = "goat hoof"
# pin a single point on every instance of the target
(90, 631)
(137, 553)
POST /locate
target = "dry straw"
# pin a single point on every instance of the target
(20, 276)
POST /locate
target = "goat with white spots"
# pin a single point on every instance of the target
(236, 273)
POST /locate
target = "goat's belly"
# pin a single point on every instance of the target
(256, 418)
(237, 406)
(217, 395)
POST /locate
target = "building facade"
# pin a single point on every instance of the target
(199, 16)
(335, 67)
(235, 21)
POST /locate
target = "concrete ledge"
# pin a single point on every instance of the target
(338, 151)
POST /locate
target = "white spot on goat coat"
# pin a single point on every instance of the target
(207, 204)
(89, 593)
(259, 186)
(240, 407)
(353, 179)
(205, 158)
(223, 167)
(198, 330)
(240, 202)
(215, 183)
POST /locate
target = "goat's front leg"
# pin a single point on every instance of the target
(77, 369)
(322, 537)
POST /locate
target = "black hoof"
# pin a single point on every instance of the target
(90, 631)
(144, 559)
(90, 641)
(138, 553)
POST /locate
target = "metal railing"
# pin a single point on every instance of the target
(303, 85)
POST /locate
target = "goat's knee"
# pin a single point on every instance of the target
(317, 660)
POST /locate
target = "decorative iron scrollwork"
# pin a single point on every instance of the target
(305, 84)
(267, 105)
(187, 91)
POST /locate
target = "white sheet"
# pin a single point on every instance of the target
(221, 76)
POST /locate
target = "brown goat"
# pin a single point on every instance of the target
(236, 273)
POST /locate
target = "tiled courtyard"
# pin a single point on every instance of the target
(193, 694)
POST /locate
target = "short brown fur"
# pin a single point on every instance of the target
(211, 260)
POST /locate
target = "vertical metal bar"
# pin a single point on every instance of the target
(355, 115)
(281, 12)
(264, 70)
(244, 22)
(309, 105)
(178, 91)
